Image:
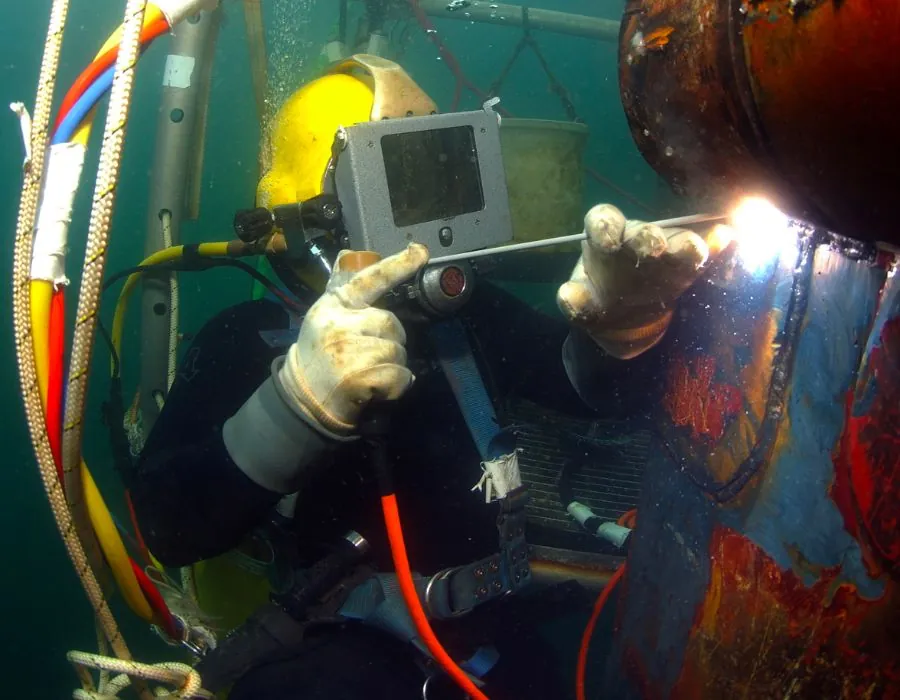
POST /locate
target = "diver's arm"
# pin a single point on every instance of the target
(607, 384)
(521, 361)
(198, 501)
(216, 461)
(198, 494)
(626, 285)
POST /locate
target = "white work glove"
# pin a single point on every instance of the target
(630, 274)
(348, 352)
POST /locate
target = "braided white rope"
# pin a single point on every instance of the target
(186, 680)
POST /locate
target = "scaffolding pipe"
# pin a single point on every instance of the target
(513, 16)
(179, 134)
(256, 40)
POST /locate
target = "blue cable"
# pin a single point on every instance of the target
(84, 105)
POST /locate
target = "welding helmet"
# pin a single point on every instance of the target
(301, 144)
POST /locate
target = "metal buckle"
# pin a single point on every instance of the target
(435, 609)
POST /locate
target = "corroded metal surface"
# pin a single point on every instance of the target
(796, 98)
(781, 580)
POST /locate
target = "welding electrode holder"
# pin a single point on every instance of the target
(374, 428)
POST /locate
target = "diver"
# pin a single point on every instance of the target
(746, 364)
(257, 447)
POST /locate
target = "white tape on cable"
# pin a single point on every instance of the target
(176, 10)
(607, 530)
(580, 512)
(51, 236)
(611, 532)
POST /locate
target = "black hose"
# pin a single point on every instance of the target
(203, 264)
(113, 409)
(113, 414)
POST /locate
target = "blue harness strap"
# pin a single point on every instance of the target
(456, 359)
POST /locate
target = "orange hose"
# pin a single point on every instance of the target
(581, 669)
(628, 519)
(414, 605)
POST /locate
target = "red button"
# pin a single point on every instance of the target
(453, 281)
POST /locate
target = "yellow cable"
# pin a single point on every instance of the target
(113, 548)
(161, 256)
(154, 561)
(108, 536)
(41, 292)
(41, 295)
(83, 131)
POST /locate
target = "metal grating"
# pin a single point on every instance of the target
(608, 480)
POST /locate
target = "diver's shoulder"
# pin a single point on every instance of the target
(251, 315)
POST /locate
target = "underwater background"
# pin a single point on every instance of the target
(44, 609)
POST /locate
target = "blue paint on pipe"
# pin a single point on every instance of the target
(795, 514)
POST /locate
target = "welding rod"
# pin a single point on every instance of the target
(559, 240)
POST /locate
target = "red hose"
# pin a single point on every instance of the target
(581, 669)
(145, 551)
(55, 381)
(55, 376)
(101, 64)
(154, 597)
(414, 605)
(628, 519)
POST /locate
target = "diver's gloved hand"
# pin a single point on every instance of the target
(348, 352)
(630, 274)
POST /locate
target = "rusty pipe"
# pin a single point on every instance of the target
(795, 99)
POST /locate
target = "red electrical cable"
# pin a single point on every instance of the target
(581, 669)
(55, 377)
(55, 380)
(101, 64)
(145, 551)
(154, 597)
(414, 605)
(163, 615)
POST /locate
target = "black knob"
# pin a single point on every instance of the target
(252, 224)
